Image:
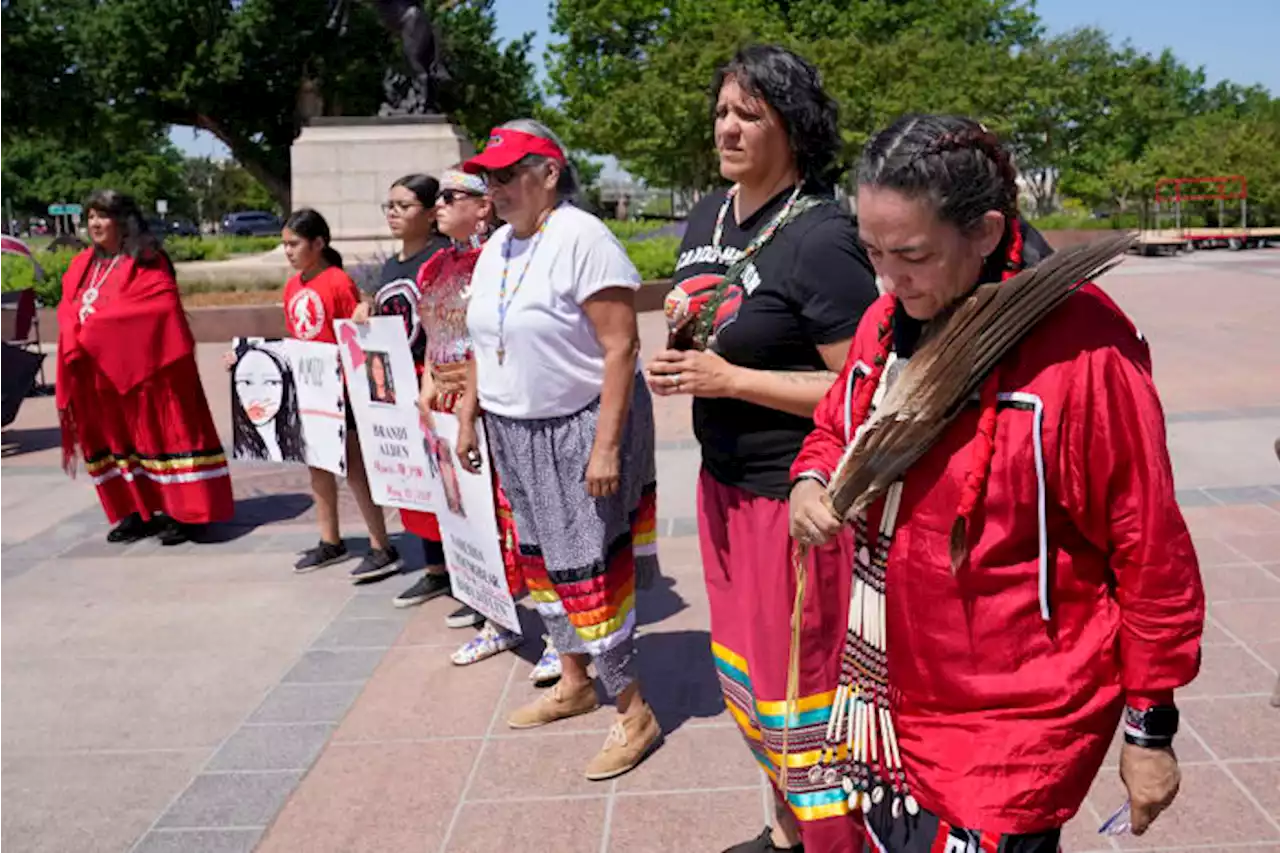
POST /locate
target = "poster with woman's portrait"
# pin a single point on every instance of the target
(287, 403)
(382, 385)
(469, 527)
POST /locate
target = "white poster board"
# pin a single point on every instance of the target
(287, 403)
(383, 388)
(469, 527)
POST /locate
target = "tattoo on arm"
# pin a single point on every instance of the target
(805, 377)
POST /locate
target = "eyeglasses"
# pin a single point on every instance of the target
(450, 196)
(400, 207)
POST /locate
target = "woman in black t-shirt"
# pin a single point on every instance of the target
(410, 209)
(770, 286)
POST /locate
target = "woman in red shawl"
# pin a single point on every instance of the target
(1029, 583)
(129, 392)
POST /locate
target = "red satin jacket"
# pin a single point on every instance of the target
(1009, 676)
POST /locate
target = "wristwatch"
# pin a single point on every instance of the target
(1153, 728)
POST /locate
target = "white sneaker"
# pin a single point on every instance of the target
(464, 617)
(549, 669)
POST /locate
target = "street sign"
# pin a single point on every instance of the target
(162, 206)
(65, 210)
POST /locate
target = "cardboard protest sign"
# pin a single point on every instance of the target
(469, 527)
(287, 403)
(383, 388)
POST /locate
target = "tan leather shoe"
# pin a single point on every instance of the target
(558, 703)
(633, 736)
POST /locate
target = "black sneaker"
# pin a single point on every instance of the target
(763, 843)
(132, 529)
(377, 564)
(463, 617)
(324, 554)
(173, 532)
(429, 586)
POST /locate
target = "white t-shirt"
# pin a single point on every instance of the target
(553, 364)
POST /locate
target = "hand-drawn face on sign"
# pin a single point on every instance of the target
(400, 298)
(260, 386)
(264, 405)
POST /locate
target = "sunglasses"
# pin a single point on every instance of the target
(507, 174)
(450, 196)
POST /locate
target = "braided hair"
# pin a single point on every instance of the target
(955, 164)
(963, 171)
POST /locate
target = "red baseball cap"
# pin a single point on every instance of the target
(507, 146)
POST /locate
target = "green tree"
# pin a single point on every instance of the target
(43, 170)
(1089, 109)
(222, 186)
(1234, 99)
(250, 72)
(882, 58)
(632, 78)
(1226, 143)
(42, 88)
(632, 75)
(490, 85)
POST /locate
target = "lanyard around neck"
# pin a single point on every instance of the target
(763, 236)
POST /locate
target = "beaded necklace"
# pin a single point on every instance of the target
(98, 275)
(504, 302)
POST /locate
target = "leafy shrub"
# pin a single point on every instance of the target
(625, 231)
(1072, 222)
(654, 258)
(249, 245)
(195, 249)
(216, 248)
(18, 274)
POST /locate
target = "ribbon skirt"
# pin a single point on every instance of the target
(746, 558)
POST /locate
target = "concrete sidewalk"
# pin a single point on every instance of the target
(206, 699)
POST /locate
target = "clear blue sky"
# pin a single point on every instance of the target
(1230, 39)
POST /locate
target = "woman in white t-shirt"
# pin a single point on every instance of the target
(553, 322)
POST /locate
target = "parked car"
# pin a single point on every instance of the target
(176, 227)
(183, 228)
(251, 223)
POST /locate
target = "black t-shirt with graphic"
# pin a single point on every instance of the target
(397, 292)
(809, 286)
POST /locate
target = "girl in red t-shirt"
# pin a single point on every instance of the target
(319, 294)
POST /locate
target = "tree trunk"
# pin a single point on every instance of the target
(277, 185)
(1041, 185)
(249, 156)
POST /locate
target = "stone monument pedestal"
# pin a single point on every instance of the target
(343, 166)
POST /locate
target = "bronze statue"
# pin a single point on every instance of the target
(421, 42)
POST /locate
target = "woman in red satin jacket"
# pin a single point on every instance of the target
(1076, 596)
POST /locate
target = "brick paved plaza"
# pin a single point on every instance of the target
(206, 699)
